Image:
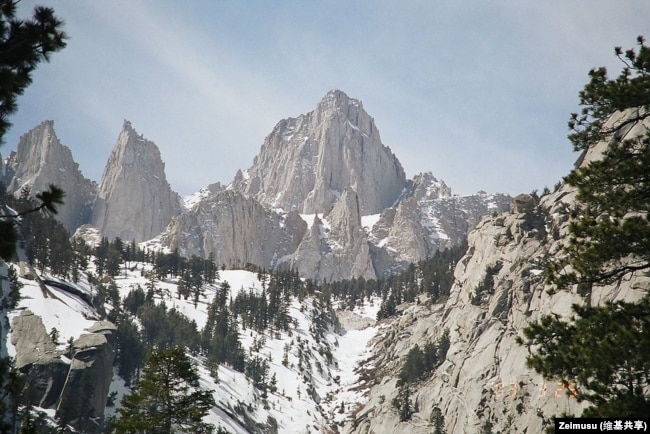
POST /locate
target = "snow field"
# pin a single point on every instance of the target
(310, 389)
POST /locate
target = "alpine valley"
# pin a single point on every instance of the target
(301, 290)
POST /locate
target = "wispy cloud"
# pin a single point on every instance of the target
(477, 92)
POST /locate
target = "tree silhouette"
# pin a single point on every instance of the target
(23, 45)
(167, 398)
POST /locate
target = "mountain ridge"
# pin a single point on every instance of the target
(328, 159)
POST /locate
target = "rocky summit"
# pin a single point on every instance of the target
(134, 201)
(360, 216)
(307, 162)
(40, 159)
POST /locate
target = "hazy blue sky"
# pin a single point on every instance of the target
(477, 92)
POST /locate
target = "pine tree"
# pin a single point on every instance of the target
(610, 234)
(402, 403)
(602, 348)
(167, 398)
(437, 420)
(23, 45)
(602, 351)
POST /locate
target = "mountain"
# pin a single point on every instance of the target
(327, 198)
(324, 196)
(315, 357)
(134, 200)
(428, 218)
(39, 160)
(307, 162)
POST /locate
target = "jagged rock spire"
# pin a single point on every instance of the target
(308, 161)
(41, 160)
(135, 201)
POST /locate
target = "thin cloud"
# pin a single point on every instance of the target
(476, 92)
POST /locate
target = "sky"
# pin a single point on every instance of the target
(477, 92)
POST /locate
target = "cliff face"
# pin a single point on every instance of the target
(484, 380)
(236, 229)
(134, 201)
(484, 377)
(75, 385)
(41, 160)
(338, 246)
(429, 218)
(307, 162)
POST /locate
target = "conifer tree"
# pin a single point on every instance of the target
(167, 398)
(23, 45)
(602, 348)
(610, 234)
(602, 352)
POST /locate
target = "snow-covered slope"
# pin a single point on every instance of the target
(314, 364)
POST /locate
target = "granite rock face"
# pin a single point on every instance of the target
(40, 160)
(237, 229)
(483, 383)
(429, 218)
(309, 199)
(134, 201)
(75, 385)
(89, 376)
(337, 247)
(307, 162)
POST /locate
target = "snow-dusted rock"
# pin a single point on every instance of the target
(307, 162)
(338, 249)
(90, 375)
(330, 166)
(426, 219)
(74, 387)
(236, 229)
(31, 340)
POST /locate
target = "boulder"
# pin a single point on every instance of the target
(76, 384)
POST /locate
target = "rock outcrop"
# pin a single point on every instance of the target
(237, 229)
(41, 160)
(134, 201)
(338, 248)
(484, 384)
(426, 219)
(89, 377)
(75, 385)
(307, 162)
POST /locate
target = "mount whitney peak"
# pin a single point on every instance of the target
(324, 196)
